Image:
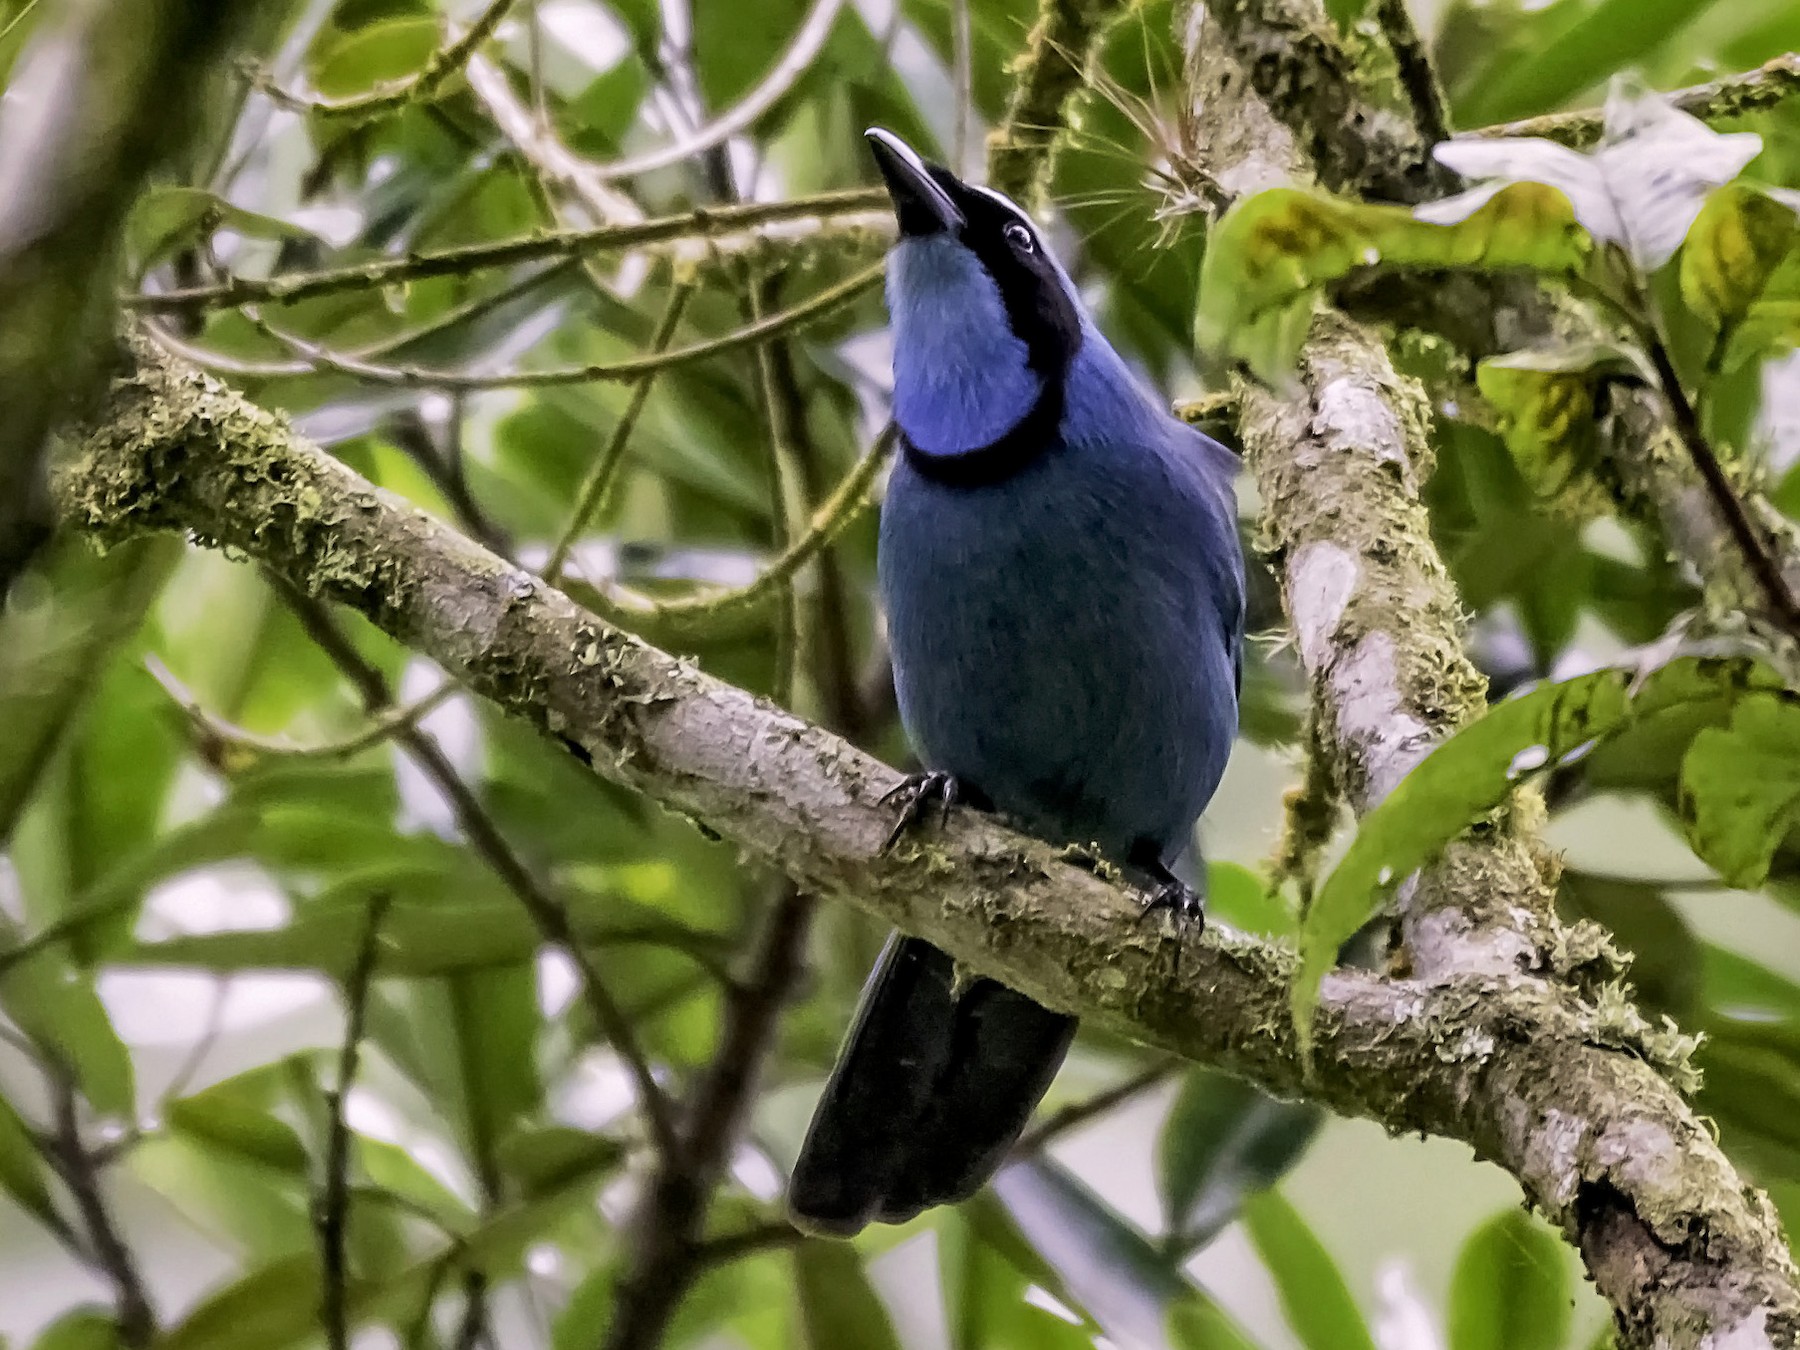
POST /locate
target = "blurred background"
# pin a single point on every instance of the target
(230, 816)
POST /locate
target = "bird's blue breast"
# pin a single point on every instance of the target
(1066, 639)
(961, 378)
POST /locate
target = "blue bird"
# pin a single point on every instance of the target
(1064, 589)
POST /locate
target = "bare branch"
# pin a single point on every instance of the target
(1076, 1114)
(444, 63)
(761, 330)
(555, 163)
(781, 77)
(334, 1201)
(719, 225)
(222, 742)
(106, 1245)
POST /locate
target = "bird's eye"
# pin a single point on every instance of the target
(1018, 236)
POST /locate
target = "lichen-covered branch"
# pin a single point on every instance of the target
(853, 216)
(1354, 143)
(1049, 72)
(1340, 461)
(1768, 86)
(1558, 1089)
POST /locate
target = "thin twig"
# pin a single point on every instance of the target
(250, 368)
(107, 1249)
(398, 94)
(1418, 76)
(543, 150)
(334, 1201)
(669, 1220)
(791, 65)
(596, 485)
(784, 509)
(472, 1331)
(547, 914)
(731, 1247)
(962, 42)
(1061, 1121)
(418, 377)
(1768, 86)
(690, 613)
(693, 226)
(1758, 556)
(219, 738)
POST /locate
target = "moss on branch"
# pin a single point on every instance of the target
(1340, 459)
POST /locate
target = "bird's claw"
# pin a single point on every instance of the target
(1180, 900)
(916, 792)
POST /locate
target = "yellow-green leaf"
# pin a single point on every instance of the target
(1473, 771)
(1271, 252)
(1545, 403)
(1740, 273)
(1740, 787)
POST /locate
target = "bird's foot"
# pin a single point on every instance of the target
(1167, 892)
(916, 793)
(1179, 899)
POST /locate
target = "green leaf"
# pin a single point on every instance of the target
(169, 218)
(582, 1323)
(1269, 254)
(1223, 1142)
(985, 1299)
(1640, 189)
(1740, 273)
(1132, 1290)
(22, 1172)
(276, 1306)
(56, 1006)
(223, 1119)
(1313, 1294)
(1204, 1325)
(1511, 1289)
(1740, 788)
(1472, 773)
(80, 1329)
(1612, 35)
(495, 1016)
(546, 1159)
(838, 1305)
(344, 65)
(1545, 401)
(57, 630)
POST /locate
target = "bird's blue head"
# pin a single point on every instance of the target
(985, 322)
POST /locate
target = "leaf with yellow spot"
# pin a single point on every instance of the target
(1545, 403)
(1740, 273)
(1269, 255)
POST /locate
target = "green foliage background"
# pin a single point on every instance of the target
(186, 905)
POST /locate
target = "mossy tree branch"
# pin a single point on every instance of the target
(1556, 1087)
(1049, 73)
(1340, 461)
(1768, 86)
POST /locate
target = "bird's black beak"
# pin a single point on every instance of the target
(921, 204)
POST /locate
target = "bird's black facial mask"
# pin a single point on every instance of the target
(984, 320)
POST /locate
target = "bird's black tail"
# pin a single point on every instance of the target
(931, 1088)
